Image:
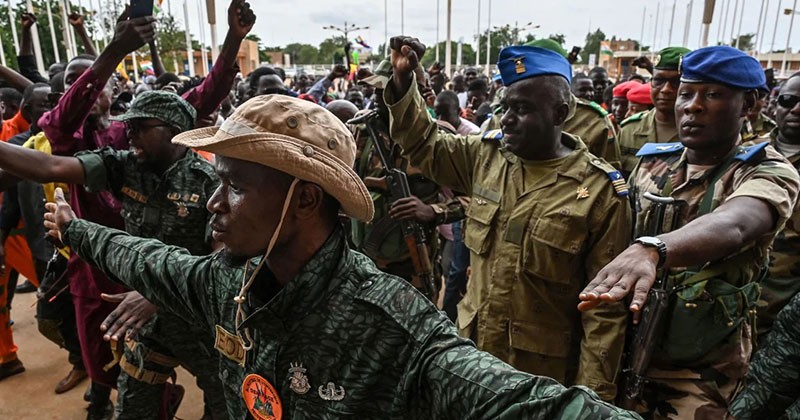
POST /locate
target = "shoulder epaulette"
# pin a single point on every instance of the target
(492, 135)
(616, 178)
(747, 152)
(650, 149)
(632, 118)
(598, 108)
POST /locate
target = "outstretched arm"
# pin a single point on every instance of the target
(40, 167)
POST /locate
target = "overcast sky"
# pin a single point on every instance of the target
(281, 22)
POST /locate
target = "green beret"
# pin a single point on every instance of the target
(669, 58)
(548, 44)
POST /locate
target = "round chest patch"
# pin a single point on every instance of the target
(261, 398)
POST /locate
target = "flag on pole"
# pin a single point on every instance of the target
(157, 7)
(605, 48)
(360, 41)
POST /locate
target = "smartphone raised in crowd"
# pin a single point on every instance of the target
(141, 8)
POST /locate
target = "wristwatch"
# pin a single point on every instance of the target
(658, 244)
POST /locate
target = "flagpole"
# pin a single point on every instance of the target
(52, 31)
(37, 47)
(203, 56)
(448, 49)
(688, 24)
(12, 18)
(478, 38)
(741, 18)
(189, 49)
(2, 55)
(489, 42)
(211, 12)
(774, 32)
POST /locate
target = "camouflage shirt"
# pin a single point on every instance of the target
(634, 132)
(756, 171)
(340, 340)
(772, 390)
(537, 232)
(169, 207)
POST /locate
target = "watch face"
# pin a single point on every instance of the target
(649, 240)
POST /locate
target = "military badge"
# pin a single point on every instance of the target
(330, 393)
(182, 210)
(519, 66)
(658, 60)
(173, 196)
(298, 379)
(230, 345)
(582, 192)
(261, 398)
(194, 198)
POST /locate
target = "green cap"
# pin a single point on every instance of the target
(380, 78)
(548, 44)
(164, 106)
(669, 58)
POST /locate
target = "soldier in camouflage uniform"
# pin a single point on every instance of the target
(783, 281)
(539, 225)
(658, 124)
(163, 189)
(772, 391)
(737, 198)
(315, 330)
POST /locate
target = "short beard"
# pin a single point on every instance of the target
(231, 260)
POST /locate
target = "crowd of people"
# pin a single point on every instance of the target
(398, 242)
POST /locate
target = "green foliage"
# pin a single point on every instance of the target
(302, 53)
(592, 45)
(467, 54)
(745, 42)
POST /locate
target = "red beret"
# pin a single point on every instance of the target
(640, 94)
(621, 90)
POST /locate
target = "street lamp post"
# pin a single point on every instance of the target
(346, 29)
(517, 29)
(792, 12)
(489, 42)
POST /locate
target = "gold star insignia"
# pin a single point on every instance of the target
(582, 192)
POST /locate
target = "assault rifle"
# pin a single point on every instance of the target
(395, 182)
(651, 325)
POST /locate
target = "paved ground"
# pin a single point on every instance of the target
(30, 395)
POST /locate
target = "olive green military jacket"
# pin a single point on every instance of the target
(532, 251)
(783, 281)
(340, 340)
(756, 171)
(634, 132)
(593, 125)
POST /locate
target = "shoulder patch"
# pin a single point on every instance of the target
(650, 149)
(600, 110)
(632, 118)
(617, 180)
(492, 135)
(747, 152)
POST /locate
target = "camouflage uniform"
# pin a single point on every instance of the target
(591, 123)
(702, 388)
(170, 207)
(772, 391)
(761, 128)
(783, 281)
(536, 237)
(634, 132)
(340, 340)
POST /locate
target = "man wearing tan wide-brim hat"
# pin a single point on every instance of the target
(314, 330)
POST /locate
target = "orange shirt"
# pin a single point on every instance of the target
(14, 126)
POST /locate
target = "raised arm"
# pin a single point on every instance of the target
(16, 80)
(216, 87)
(63, 122)
(76, 20)
(158, 66)
(26, 62)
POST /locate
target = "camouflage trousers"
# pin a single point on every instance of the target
(689, 399)
(167, 337)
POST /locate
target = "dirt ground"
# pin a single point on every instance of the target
(30, 395)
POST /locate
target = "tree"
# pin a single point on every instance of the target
(560, 38)
(745, 42)
(302, 53)
(467, 54)
(262, 50)
(592, 45)
(331, 50)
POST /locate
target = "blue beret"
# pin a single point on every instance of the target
(522, 62)
(724, 65)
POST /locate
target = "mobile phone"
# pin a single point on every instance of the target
(141, 8)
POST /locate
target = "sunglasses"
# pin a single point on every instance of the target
(658, 82)
(788, 101)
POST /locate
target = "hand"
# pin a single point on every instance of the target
(643, 62)
(339, 70)
(131, 314)
(635, 268)
(412, 208)
(406, 54)
(75, 20)
(468, 114)
(131, 34)
(240, 18)
(27, 20)
(58, 215)
(429, 95)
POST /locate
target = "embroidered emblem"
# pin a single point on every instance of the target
(330, 393)
(298, 379)
(618, 181)
(182, 210)
(582, 192)
(261, 398)
(134, 195)
(519, 66)
(194, 198)
(230, 345)
(173, 196)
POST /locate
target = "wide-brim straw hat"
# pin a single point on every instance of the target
(293, 136)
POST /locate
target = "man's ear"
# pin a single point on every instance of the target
(561, 114)
(749, 102)
(309, 199)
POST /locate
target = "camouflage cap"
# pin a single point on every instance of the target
(548, 44)
(164, 106)
(380, 79)
(669, 58)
